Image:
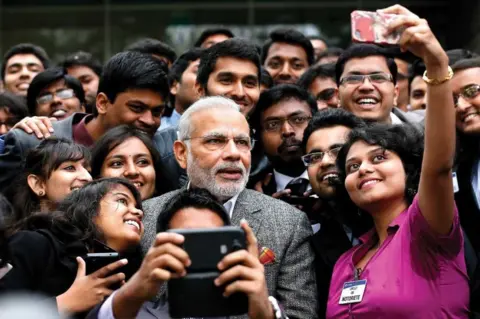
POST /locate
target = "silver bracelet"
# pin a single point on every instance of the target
(276, 308)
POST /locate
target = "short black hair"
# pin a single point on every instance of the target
(417, 68)
(232, 48)
(292, 37)
(317, 71)
(46, 78)
(364, 50)
(25, 48)
(330, 117)
(14, 104)
(6, 210)
(153, 47)
(404, 140)
(193, 198)
(133, 70)
(332, 51)
(456, 55)
(464, 64)
(180, 65)
(266, 78)
(42, 161)
(275, 95)
(117, 136)
(82, 58)
(212, 31)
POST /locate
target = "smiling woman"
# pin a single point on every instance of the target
(54, 169)
(105, 216)
(129, 153)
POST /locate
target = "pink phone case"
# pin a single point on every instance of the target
(370, 27)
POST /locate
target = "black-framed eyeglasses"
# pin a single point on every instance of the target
(61, 94)
(377, 78)
(297, 120)
(215, 143)
(326, 95)
(317, 157)
(10, 122)
(469, 92)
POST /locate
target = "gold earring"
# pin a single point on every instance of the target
(40, 193)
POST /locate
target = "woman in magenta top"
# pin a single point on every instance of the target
(412, 264)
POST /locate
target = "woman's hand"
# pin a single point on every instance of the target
(88, 291)
(417, 36)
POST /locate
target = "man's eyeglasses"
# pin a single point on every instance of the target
(317, 157)
(377, 78)
(401, 76)
(469, 92)
(274, 125)
(10, 122)
(326, 95)
(215, 143)
(61, 94)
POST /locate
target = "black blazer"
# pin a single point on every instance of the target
(41, 263)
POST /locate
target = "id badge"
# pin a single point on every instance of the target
(352, 292)
(455, 182)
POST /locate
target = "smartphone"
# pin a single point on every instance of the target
(95, 261)
(370, 27)
(206, 247)
(196, 295)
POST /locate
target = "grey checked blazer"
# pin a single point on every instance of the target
(277, 226)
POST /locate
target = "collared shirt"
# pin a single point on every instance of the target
(476, 181)
(228, 205)
(171, 120)
(415, 273)
(283, 180)
(80, 133)
(395, 119)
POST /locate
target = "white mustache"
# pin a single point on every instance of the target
(230, 166)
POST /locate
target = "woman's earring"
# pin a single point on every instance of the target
(411, 191)
(41, 193)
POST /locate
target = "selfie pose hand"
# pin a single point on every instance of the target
(89, 290)
(163, 261)
(243, 270)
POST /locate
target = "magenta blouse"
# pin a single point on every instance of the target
(415, 273)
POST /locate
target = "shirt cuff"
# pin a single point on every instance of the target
(106, 310)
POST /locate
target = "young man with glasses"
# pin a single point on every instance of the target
(53, 93)
(281, 116)
(367, 85)
(319, 81)
(336, 227)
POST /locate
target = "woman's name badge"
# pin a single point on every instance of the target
(352, 292)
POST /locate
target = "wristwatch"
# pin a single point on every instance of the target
(277, 310)
(438, 81)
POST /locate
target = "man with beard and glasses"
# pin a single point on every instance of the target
(133, 90)
(214, 147)
(319, 81)
(281, 116)
(336, 227)
(182, 77)
(287, 55)
(367, 85)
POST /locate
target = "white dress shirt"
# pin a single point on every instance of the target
(395, 119)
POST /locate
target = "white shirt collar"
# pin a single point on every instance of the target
(282, 180)
(228, 205)
(395, 119)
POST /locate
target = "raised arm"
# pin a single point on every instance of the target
(435, 193)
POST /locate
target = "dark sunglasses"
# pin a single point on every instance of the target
(469, 92)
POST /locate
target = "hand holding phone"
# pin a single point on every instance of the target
(372, 27)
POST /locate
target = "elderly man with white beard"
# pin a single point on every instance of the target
(214, 147)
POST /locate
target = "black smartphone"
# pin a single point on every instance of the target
(196, 295)
(95, 261)
(206, 247)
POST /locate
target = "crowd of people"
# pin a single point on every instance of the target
(354, 174)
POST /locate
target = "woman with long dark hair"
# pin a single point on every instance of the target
(53, 169)
(127, 152)
(412, 263)
(103, 216)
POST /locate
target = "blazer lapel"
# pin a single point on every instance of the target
(246, 208)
